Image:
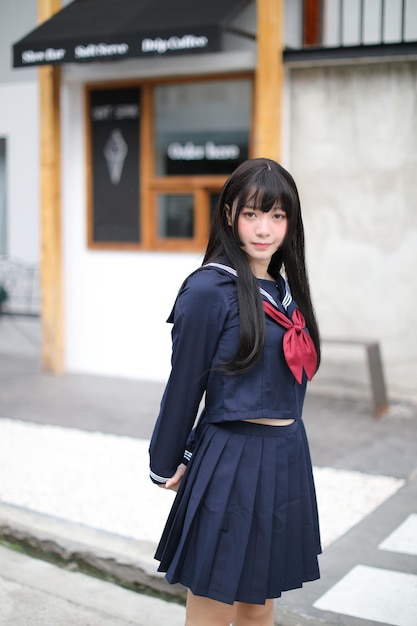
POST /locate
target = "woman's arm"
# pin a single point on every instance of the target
(199, 316)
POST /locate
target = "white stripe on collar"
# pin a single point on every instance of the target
(287, 296)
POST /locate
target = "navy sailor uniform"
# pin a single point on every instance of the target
(244, 523)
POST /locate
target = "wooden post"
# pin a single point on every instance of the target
(50, 201)
(269, 79)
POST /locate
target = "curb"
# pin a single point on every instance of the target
(126, 562)
(129, 563)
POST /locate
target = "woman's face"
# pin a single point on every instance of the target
(261, 234)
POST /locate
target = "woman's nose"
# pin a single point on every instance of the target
(262, 225)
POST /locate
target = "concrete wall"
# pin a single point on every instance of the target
(353, 153)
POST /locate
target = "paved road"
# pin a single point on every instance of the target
(369, 573)
(36, 593)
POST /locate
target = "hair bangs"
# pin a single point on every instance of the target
(261, 184)
(266, 190)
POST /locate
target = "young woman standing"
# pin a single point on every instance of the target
(244, 526)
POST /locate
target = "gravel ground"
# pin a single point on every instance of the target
(101, 480)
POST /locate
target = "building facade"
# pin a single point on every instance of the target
(147, 142)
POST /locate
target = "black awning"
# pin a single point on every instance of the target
(97, 30)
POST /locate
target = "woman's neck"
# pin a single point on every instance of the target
(260, 270)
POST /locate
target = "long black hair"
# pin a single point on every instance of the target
(261, 183)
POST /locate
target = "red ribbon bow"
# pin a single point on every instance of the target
(299, 350)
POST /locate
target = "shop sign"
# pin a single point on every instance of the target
(100, 50)
(130, 45)
(36, 57)
(211, 151)
(208, 156)
(114, 124)
(174, 43)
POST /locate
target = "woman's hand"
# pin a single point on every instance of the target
(174, 482)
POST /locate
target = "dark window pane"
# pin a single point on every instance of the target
(176, 216)
(214, 198)
(202, 128)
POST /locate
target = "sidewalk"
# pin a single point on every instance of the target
(73, 454)
(34, 592)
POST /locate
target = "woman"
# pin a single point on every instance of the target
(244, 525)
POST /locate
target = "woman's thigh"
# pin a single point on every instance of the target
(254, 614)
(206, 612)
(202, 611)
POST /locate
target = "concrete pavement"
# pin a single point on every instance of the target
(365, 473)
(33, 592)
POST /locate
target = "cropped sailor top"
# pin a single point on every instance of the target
(205, 334)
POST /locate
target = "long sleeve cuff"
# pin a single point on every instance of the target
(187, 457)
(158, 480)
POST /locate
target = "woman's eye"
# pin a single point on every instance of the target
(280, 216)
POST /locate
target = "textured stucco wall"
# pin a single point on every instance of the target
(353, 153)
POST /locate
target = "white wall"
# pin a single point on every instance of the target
(17, 19)
(19, 125)
(116, 303)
(353, 153)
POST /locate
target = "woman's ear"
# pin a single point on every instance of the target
(228, 214)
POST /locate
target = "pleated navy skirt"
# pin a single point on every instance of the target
(244, 525)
